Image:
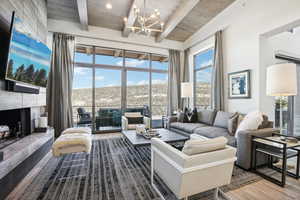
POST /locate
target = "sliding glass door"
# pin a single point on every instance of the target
(107, 99)
(107, 82)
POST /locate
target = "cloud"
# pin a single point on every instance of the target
(143, 82)
(80, 71)
(99, 78)
(206, 63)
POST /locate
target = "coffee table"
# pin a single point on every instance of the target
(166, 136)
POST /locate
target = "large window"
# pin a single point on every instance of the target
(107, 81)
(203, 67)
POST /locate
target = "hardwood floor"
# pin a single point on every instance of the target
(261, 190)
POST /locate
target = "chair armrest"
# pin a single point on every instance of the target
(147, 122)
(244, 144)
(124, 123)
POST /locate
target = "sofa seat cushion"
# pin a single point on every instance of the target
(211, 131)
(187, 127)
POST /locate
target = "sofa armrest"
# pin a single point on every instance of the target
(124, 123)
(244, 145)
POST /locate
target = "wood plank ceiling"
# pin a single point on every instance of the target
(182, 17)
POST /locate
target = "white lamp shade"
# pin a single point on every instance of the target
(282, 80)
(186, 89)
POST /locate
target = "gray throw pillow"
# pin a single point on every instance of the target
(222, 118)
(180, 116)
(206, 116)
(233, 124)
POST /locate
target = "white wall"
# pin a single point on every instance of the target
(111, 38)
(243, 23)
(285, 42)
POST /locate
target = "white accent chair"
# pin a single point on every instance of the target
(128, 126)
(189, 175)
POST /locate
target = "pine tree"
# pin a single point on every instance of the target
(20, 73)
(29, 72)
(41, 78)
(10, 65)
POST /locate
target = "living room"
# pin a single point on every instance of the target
(140, 99)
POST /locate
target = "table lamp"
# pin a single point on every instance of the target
(187, 91)
(282, 82)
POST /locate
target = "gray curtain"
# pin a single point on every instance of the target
(59, 88)
(185, 76)
(174, 82)
(218, 75)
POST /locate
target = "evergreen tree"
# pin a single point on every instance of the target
(41, 78)
(10, 65)
(20, 73)
(29, 72)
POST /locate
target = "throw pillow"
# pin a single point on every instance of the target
(193, 147)
(233, 124)
(250, 122)
(190, 117)
(83, 130)
(180, 116)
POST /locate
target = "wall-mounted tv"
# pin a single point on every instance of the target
(28, 59)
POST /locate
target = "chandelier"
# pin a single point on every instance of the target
(146, 24)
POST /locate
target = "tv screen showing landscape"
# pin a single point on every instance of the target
(28, 59)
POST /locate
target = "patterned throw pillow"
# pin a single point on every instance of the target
(190, 117)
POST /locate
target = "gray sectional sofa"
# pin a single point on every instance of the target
(213, 124)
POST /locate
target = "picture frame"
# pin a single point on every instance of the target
(239, 85)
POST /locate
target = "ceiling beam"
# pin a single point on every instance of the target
(164, 59)
(131, 17)
(117, 53)
(176, 18)
(83, 13)
(142, 56)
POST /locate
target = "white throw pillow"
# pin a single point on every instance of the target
(83, 130)
(193, 147)
(250, 122)
(133, 114)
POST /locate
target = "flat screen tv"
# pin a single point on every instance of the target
(28, 59)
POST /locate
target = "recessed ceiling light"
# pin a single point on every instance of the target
(108, 5)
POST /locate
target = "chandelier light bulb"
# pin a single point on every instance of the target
(108, 5)
(125, 19)
(162, 24)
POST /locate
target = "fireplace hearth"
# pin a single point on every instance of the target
(19, 123)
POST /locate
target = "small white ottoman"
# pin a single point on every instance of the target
(73, 140)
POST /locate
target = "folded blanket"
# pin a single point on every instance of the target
(83, 130)
(69, 141)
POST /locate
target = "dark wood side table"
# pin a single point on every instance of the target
(274, 147)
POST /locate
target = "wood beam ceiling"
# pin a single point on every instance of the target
(83, 13)
(176, 18)
(131, 17)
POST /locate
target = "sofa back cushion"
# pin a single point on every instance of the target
(206, 116)
(222, 119)
(193, 147)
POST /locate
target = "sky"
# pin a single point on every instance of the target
(25, 50)
(109, 77)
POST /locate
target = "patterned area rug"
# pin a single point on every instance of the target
(113, 171)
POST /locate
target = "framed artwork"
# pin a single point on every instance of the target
(239, 85)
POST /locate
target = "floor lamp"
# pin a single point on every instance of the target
(282, 82)
(187, 91)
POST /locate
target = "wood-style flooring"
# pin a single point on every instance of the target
(261, 190)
